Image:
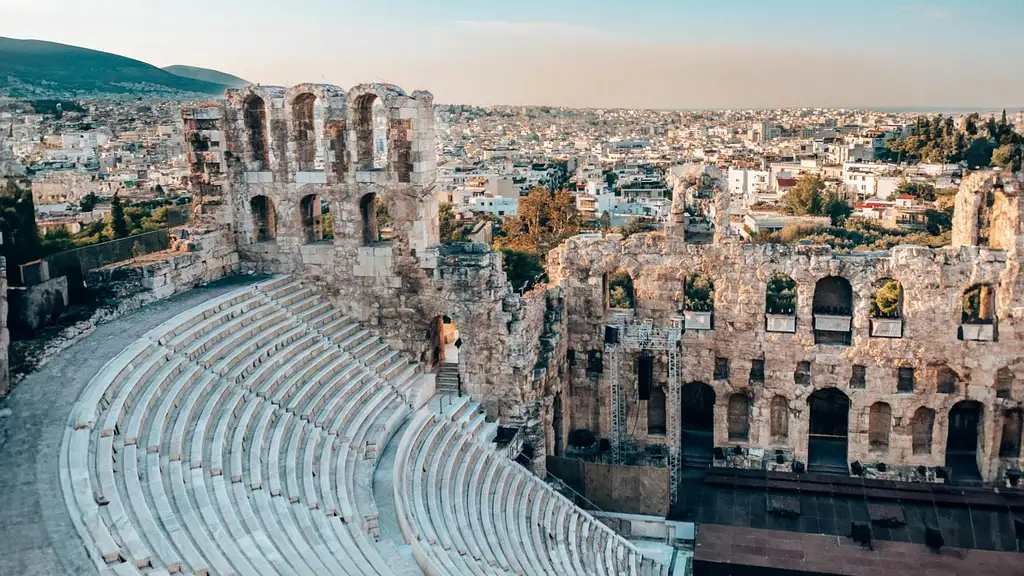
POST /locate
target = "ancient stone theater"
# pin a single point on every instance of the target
(329, 389)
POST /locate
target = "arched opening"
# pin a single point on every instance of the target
(304, 130)
(978, 315)
(311, 217)
(255, 124)
(1009, 442)
(371, 133)
(780, 295)
(946, 380)
(264, 218)
(699, 302)
(828, 431)
(445, 340)
(833, 311)
(887, 309)
(780, 304)
(965, 418)
(657, 422)
(556, 424)
(445, 343)
(375, 219)
(780, 419)
(621, 294)
(697, 424)
(879, 427)
(739, 417)
(921, 427)
(1004, 383)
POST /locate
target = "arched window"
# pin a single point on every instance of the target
(921, 430)
(255, 124)
(780, 418)
(621, 294)
(656, 420)
(739, 417)
(879, 426)
(1004, 383)
(946, 380)
(304, 130)
(780, 295)
(1009, 444)
(309, 210)
(833, 310)
(371, 133)
(700, 293)
(978, 305)
(978, 314)
(887, 309)
(264, 219)
(887, 299)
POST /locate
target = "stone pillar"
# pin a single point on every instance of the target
(720, 192)
(675, 228)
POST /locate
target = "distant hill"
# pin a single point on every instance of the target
(207, 75)
(34, 68)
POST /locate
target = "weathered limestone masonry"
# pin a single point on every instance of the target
(271, 165)
(933, 339)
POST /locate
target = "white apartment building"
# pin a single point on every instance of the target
(495, 205)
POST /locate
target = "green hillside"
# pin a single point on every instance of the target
(207, 75)
(34, 68)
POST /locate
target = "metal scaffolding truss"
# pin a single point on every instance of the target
(641, 336)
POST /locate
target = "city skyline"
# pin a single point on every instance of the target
(651, 54)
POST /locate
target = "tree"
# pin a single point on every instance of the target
(1006, 157)
(938, 221)
(21, 242)
(805, 198)
(620, 290)
(545, 219)
(522, 269)
(89, 202)
(118, 223)
(836, 209)
(451, 230)
(636, 226)
(606, 222)
(886, 303)
(920, 190)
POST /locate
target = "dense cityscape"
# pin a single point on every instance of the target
(372, 312)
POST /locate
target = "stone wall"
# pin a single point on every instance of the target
(196, 257)
(933, 283)
(258, 157)
(623, 489)
(264, 162)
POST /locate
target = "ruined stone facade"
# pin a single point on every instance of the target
(901, 390)
(272, 167)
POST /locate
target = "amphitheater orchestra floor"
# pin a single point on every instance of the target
(731, 508)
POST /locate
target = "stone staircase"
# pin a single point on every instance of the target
(448, 378)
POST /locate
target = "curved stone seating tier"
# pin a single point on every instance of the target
(467, 509)
(240, 437)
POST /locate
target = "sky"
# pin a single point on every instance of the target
(581, 53)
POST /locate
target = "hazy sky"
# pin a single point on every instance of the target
(629, 53)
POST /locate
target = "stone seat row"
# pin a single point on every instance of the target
(278, 462)
(467, 509)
